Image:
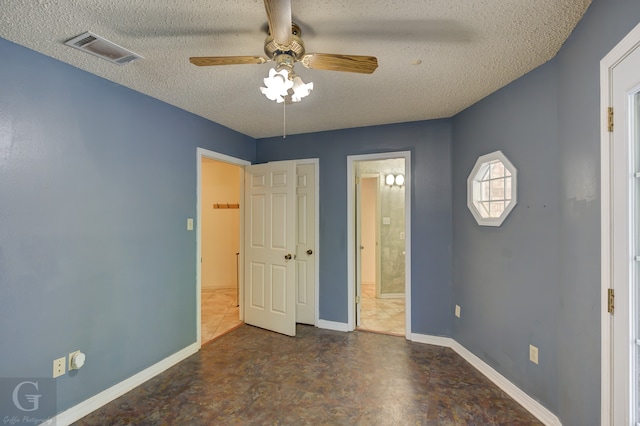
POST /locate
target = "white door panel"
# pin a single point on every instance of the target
(305, 243)
(269, 246)
(624, 245)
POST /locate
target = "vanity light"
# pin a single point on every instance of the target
(394, 180)
(390, 179)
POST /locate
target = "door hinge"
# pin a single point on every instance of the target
(610, 299)
(357, 299)
(610, 118)
(357, 180)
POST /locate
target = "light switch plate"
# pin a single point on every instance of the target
(533, 354)
(190, 224)
(458, 311)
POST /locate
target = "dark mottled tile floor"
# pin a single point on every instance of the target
(320, 377)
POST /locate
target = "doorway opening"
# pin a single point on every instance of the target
(379, 243)
(219, 241)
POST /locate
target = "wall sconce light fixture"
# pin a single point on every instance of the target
(394, 180)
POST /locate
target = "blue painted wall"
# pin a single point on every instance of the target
(505, 279)
(96, 184)
(430, 146)
(537, 278)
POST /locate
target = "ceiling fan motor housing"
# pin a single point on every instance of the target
(295, 49)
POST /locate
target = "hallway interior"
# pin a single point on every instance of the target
(220, 313)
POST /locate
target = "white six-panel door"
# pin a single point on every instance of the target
(270, 220)
(620, 165)
(305, 244)
(625, 176)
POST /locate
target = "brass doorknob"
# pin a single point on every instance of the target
(287, 257)
(309, 252)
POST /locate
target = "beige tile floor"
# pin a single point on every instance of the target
(219, 313)
(381, 315)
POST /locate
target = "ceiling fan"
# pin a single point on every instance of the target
(284, 46)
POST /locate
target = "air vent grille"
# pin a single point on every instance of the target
(103, 48)
(84, 41)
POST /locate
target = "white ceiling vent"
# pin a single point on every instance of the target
(99, 46)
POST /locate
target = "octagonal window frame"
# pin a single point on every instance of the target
(475, 188)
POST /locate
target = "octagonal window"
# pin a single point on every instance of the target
(492, 189)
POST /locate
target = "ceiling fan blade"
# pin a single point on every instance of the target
(279, 17)
(205, 61)
(346, 63)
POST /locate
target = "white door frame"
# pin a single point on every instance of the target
(607, 64)
(316, 249)
(200, 154)
(351, 232)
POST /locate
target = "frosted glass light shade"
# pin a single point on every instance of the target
(389, 179)
(278, 85)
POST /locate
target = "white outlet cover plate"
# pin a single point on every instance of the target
(59, 367)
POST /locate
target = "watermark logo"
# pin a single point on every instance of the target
(27, 401)
(31, 398)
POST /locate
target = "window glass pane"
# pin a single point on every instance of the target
(507, 172)
(507, 188)
(497, 170)
(485, 174)
(485, 190)
(497, 189)
(496, 208)
(483, 209)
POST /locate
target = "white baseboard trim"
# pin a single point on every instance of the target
(391, 295)
(530, 404)
(533, 406)
(87, 406)
(80, 410)
(332, 325)
(447, 342)
(218, 287)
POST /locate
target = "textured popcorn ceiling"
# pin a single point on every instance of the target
(466, 49)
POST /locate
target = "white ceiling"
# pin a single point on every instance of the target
(467, 48)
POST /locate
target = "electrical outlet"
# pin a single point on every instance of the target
(533, 354)
(458, 311)
(59, 366)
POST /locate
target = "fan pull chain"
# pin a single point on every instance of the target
(284, 120)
